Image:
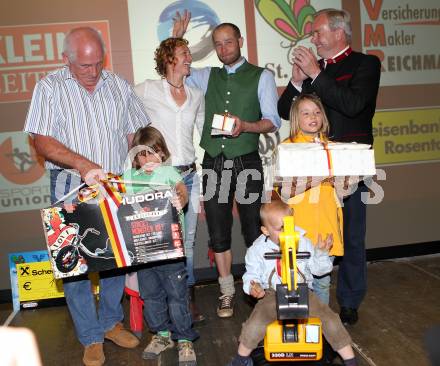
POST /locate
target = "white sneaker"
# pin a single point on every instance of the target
(157, 345)
(187, 356)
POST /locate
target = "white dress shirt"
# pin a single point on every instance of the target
(176, 123)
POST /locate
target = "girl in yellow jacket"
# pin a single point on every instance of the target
(317, 209)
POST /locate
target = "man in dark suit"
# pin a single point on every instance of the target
(347, 83)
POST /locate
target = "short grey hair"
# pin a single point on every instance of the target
(338, 19)
(68, 48)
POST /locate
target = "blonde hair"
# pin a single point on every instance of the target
(150, 137)
(275, 207)
(164, 54)
(294, 116)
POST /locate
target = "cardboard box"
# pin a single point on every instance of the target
(222, 125)
(313, 160)
(112, 231)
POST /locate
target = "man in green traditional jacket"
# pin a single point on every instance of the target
(232, 167)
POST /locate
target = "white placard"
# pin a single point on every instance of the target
(312, 333)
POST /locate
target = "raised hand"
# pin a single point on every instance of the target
(326, 244)
(307, 61)
(298, 76)
(181, 23)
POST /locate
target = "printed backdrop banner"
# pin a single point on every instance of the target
(151, 22)
(405, 36)
(280, 28)
(24, 181)
(407, 136)
(29, 52)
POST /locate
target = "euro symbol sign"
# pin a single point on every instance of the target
(27, 286)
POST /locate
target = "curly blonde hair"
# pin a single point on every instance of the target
(164, 54)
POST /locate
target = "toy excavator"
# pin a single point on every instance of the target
(294, 336)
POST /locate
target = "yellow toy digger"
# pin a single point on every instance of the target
(294, 336)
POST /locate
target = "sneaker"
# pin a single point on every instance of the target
(225, 306)
(157, 345)
(187, 356)
(241, 361)
(122, 337)
(93, 355)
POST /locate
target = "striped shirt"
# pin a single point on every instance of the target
(94, 125)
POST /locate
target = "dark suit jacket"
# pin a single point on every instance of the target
(348, 89)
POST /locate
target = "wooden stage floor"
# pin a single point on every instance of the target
(402, 303)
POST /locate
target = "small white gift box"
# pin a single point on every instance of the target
(222, 125)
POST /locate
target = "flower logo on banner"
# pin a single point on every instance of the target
(291, 19)
(203, 21)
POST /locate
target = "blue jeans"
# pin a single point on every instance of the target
(191, 211)
(90, 324)
(321, 286)
(164, 291)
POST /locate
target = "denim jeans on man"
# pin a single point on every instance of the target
(163, 288)
(90, 324)
(191, 211)
(223, 180)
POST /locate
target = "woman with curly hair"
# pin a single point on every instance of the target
(174, 109)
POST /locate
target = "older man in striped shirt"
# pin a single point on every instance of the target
(83, 117)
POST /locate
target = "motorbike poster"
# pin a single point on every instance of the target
(112, 231)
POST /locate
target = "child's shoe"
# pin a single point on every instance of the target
(241, 361)
(187, 356)
(157, 345)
